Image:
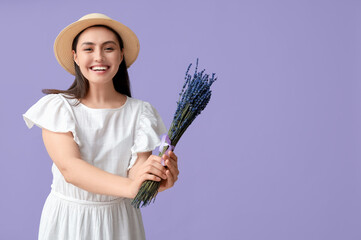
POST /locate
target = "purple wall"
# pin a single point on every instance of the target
(276, 154)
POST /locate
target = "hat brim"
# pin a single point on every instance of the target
(63, 42)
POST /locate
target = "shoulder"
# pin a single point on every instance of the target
(52, 113)
(144, 110)
(134, 102)
(51, 103)
(49, 97)
(48, 100)
(59, 97)
(139, 105)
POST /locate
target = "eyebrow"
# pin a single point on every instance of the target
(91, 43)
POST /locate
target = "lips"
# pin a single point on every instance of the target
(99, 68)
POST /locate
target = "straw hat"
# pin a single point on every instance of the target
(63, 42)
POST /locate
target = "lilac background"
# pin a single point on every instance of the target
(276, 154)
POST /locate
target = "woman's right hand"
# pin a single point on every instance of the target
(147, 167)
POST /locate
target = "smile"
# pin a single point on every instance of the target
(99, 68)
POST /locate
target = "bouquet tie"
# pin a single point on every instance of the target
(165, 144)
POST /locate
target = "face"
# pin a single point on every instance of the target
(98, 55)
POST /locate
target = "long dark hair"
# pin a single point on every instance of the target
(80, 86)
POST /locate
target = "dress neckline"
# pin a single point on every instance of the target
(105, 109)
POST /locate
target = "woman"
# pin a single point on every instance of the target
(99, 138)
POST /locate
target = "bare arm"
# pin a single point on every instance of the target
(66, 155)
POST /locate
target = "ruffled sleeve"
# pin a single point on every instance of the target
(149, 127)
(52, 113)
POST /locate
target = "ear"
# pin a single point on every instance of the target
(75, 57)
(121, 55)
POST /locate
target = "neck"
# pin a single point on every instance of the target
(103, 96)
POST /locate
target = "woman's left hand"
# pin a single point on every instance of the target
(171, 162)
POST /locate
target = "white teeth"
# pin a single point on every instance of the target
(99, 68)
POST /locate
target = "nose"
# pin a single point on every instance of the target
(99, 55)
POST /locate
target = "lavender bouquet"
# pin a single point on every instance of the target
(193, 98)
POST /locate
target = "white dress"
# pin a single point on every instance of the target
(108, 139)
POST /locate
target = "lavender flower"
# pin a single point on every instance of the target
(193, 99)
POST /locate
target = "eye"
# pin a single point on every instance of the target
(109, 49)
(88, 49)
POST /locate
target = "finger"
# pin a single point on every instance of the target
(157, 165)
(174, 161)
(153, 158)
(165, 158)
(151, 177)
(156, 170)
(147, 176)
(173, 169)
(155, 161)
(173, 156)
(170, 179)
